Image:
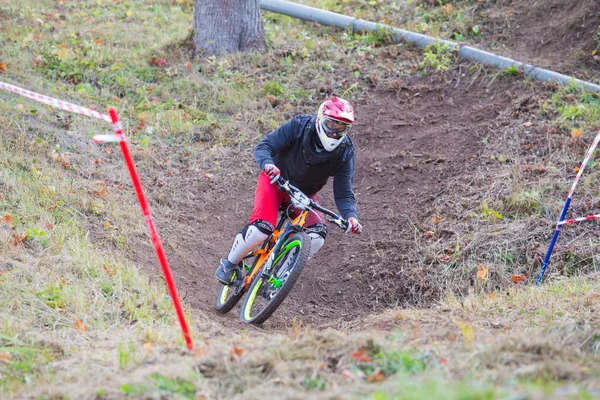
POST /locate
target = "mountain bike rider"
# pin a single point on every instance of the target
(306, 150)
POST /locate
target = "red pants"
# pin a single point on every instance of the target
(268, 198)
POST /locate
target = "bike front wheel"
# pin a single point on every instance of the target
(267, 293)
(229, 295)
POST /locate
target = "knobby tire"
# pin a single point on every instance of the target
(227, 299)
(284, 290)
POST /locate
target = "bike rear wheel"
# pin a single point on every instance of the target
(267, 293)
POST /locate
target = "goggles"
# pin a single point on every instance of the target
(335, 129)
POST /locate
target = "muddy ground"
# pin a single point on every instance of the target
(411, 142)
(415, 141)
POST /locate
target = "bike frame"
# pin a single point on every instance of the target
(266, 253)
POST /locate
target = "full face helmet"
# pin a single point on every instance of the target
(334, 119)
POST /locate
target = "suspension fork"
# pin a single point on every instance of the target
(290, 227)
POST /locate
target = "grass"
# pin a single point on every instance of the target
(157, 384)
(80, 319)
(444, 19)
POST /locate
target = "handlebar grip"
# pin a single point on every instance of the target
(341, 222)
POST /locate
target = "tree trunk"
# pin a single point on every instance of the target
(227, 26)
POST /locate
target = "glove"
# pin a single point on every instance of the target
(354, 226)
(272, 172)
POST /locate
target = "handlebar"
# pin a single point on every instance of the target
(300, 200)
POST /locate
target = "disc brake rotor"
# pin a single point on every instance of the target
(282, 273)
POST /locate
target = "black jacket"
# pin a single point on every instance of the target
(292, 148)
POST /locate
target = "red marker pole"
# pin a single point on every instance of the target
(160, 253)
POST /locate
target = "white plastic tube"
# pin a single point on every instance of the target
(465, 51)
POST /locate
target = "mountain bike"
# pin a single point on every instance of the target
(277, 263)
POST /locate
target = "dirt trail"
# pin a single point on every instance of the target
(410, 142)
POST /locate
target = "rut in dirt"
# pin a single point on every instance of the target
(410, 143)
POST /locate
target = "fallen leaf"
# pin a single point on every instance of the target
(5, 356)
(2, 67)
(376, 376)
(188, 66)
(7, 219)
(148, 345)
(99, 161)
(201, 350)
(102, 192)
(62, 53)
(63, 159)
(16, 239)
(143, 117)
(235, 352)
(444, 258)
(80, 326)
(491, 295)
(99, 42)
(576, 133)
(527, 124)
(443, 360)
(447, 9)
(361, 356)
(436, 219)
(274, 102)
(518, 278)
(107, 224)
(482, 272)
(238, 116)
(428, 235)
(109, 271)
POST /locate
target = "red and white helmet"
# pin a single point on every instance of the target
(334, 119)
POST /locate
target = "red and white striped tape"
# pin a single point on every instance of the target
(570, 221)
(55, 102)
(118, 136)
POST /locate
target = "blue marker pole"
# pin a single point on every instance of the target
(587, 157)
(553, 242)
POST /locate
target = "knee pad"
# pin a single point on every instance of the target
(316, 242)
(263, 226)
(249, 237)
